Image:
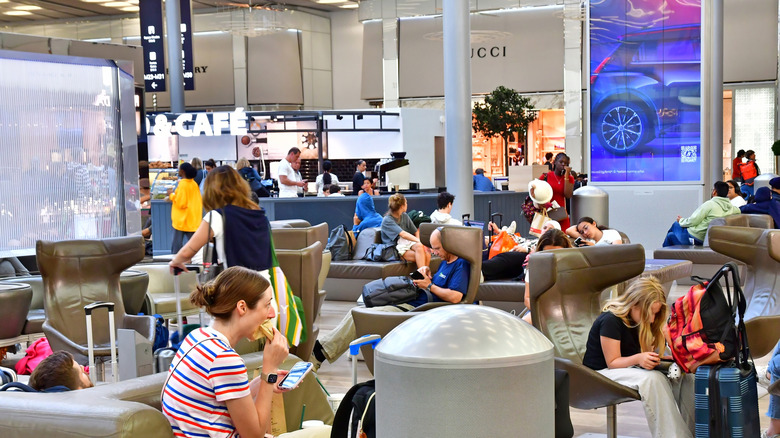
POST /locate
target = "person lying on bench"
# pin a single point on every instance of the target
(59, 373)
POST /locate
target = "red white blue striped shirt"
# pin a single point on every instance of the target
(194, 398)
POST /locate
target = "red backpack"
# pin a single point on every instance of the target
(702, 322)
(749, 172)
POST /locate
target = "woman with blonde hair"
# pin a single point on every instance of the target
(198, 165)
(625, 344)
(398, 229)
(247, 241)
(251, 176)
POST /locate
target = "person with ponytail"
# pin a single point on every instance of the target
(325, 179)
(625, 344)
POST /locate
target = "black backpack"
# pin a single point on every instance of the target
(359, 403)
(339, 244)
(418, 217)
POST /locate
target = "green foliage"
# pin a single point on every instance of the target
(503, 113)
(776, 147)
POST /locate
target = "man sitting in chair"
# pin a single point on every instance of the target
(449, 284)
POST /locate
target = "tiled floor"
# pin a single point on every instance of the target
(337, 378)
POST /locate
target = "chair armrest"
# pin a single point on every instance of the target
(591, 390)
(369, 321)
(736, 242)
(429, 306)
(58, 341)
(763, 333)
(144, 325)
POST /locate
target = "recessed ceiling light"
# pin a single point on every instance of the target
(27, 8)
(330, 2)
(116, 4)
(18, 13)
(350, 6)
(130, 9)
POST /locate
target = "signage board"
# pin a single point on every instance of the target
(645, 91)
(186, 45)
(151, 18)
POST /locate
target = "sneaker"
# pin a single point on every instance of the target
(511, 228)
(762, 374)
(315, 363)
(764, 434)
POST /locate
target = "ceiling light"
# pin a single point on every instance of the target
(27, 8)
(15, 13)
(116, 4)
(350, 6)
(130, 9)
(330, 2)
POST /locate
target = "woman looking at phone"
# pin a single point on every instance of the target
(625, 344)
(398, 229)
(590, 233)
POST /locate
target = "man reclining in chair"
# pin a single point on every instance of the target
(449, 284)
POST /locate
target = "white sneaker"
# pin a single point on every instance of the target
(762, 375)
(511, 228)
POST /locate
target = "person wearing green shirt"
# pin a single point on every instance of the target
(691, 230)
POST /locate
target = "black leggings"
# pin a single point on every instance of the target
(504, 266)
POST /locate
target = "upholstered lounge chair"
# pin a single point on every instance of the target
(80, 272)
(466, 243)
(565, 290)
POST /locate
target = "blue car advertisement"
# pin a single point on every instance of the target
(645, 90)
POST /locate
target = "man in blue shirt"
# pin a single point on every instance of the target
(481, 182)
(450, 283)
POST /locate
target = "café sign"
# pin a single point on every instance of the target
(197, 124)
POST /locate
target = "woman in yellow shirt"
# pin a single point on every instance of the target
(187, 209)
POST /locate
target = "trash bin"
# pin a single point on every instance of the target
(590, 201)
(464, 371)
(763, 180)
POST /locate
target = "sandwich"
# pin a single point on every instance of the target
(265, 330)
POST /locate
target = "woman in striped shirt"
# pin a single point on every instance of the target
(207, 393)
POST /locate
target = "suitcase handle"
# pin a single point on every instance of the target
(190, 267)
(98, 305)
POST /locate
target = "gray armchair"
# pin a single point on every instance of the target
(79, 272)
(466, 243)
(565, 292)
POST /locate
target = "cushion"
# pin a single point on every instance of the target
(361, 269)
(34, 323)
(697, 254)
(501, 290)
(166, 303)
(364, 239)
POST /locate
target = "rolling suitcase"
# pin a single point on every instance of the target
(726, 396)
(112, 340)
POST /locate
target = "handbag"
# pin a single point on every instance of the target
(557, 214)
(391, 291)
(381, 252)
(536, 224)
(211, 265)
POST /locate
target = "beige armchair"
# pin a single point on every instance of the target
(466, 243)
(80, 272)
(751, 246)
(565, 292)
(301, 267)
(160, 295)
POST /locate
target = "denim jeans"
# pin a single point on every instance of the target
(678, 235)
(774, 370)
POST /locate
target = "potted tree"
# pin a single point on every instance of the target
(504, 113)
(776, 152)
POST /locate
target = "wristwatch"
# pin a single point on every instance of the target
(270, 378)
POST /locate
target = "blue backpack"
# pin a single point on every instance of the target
(160, 333)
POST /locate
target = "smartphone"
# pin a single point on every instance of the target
(578, 241)
(296, 374)
(416, 275)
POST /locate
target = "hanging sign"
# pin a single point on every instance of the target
(150, 12)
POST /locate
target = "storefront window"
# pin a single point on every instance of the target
(754, 124)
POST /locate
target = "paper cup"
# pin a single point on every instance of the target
(335, 400)
(310, 424)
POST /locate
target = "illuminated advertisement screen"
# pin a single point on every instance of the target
(645, 90)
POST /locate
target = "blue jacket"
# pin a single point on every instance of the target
(483, 183)
(366, 212)
(764, 205)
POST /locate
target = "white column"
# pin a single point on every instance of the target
(390, 58)
(712, 92)
(175, 68)
(457, 104)
(572, 82)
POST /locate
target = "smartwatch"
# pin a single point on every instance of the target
(270, 378)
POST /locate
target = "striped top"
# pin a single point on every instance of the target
(194, 398)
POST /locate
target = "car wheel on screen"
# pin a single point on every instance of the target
(622, 127)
